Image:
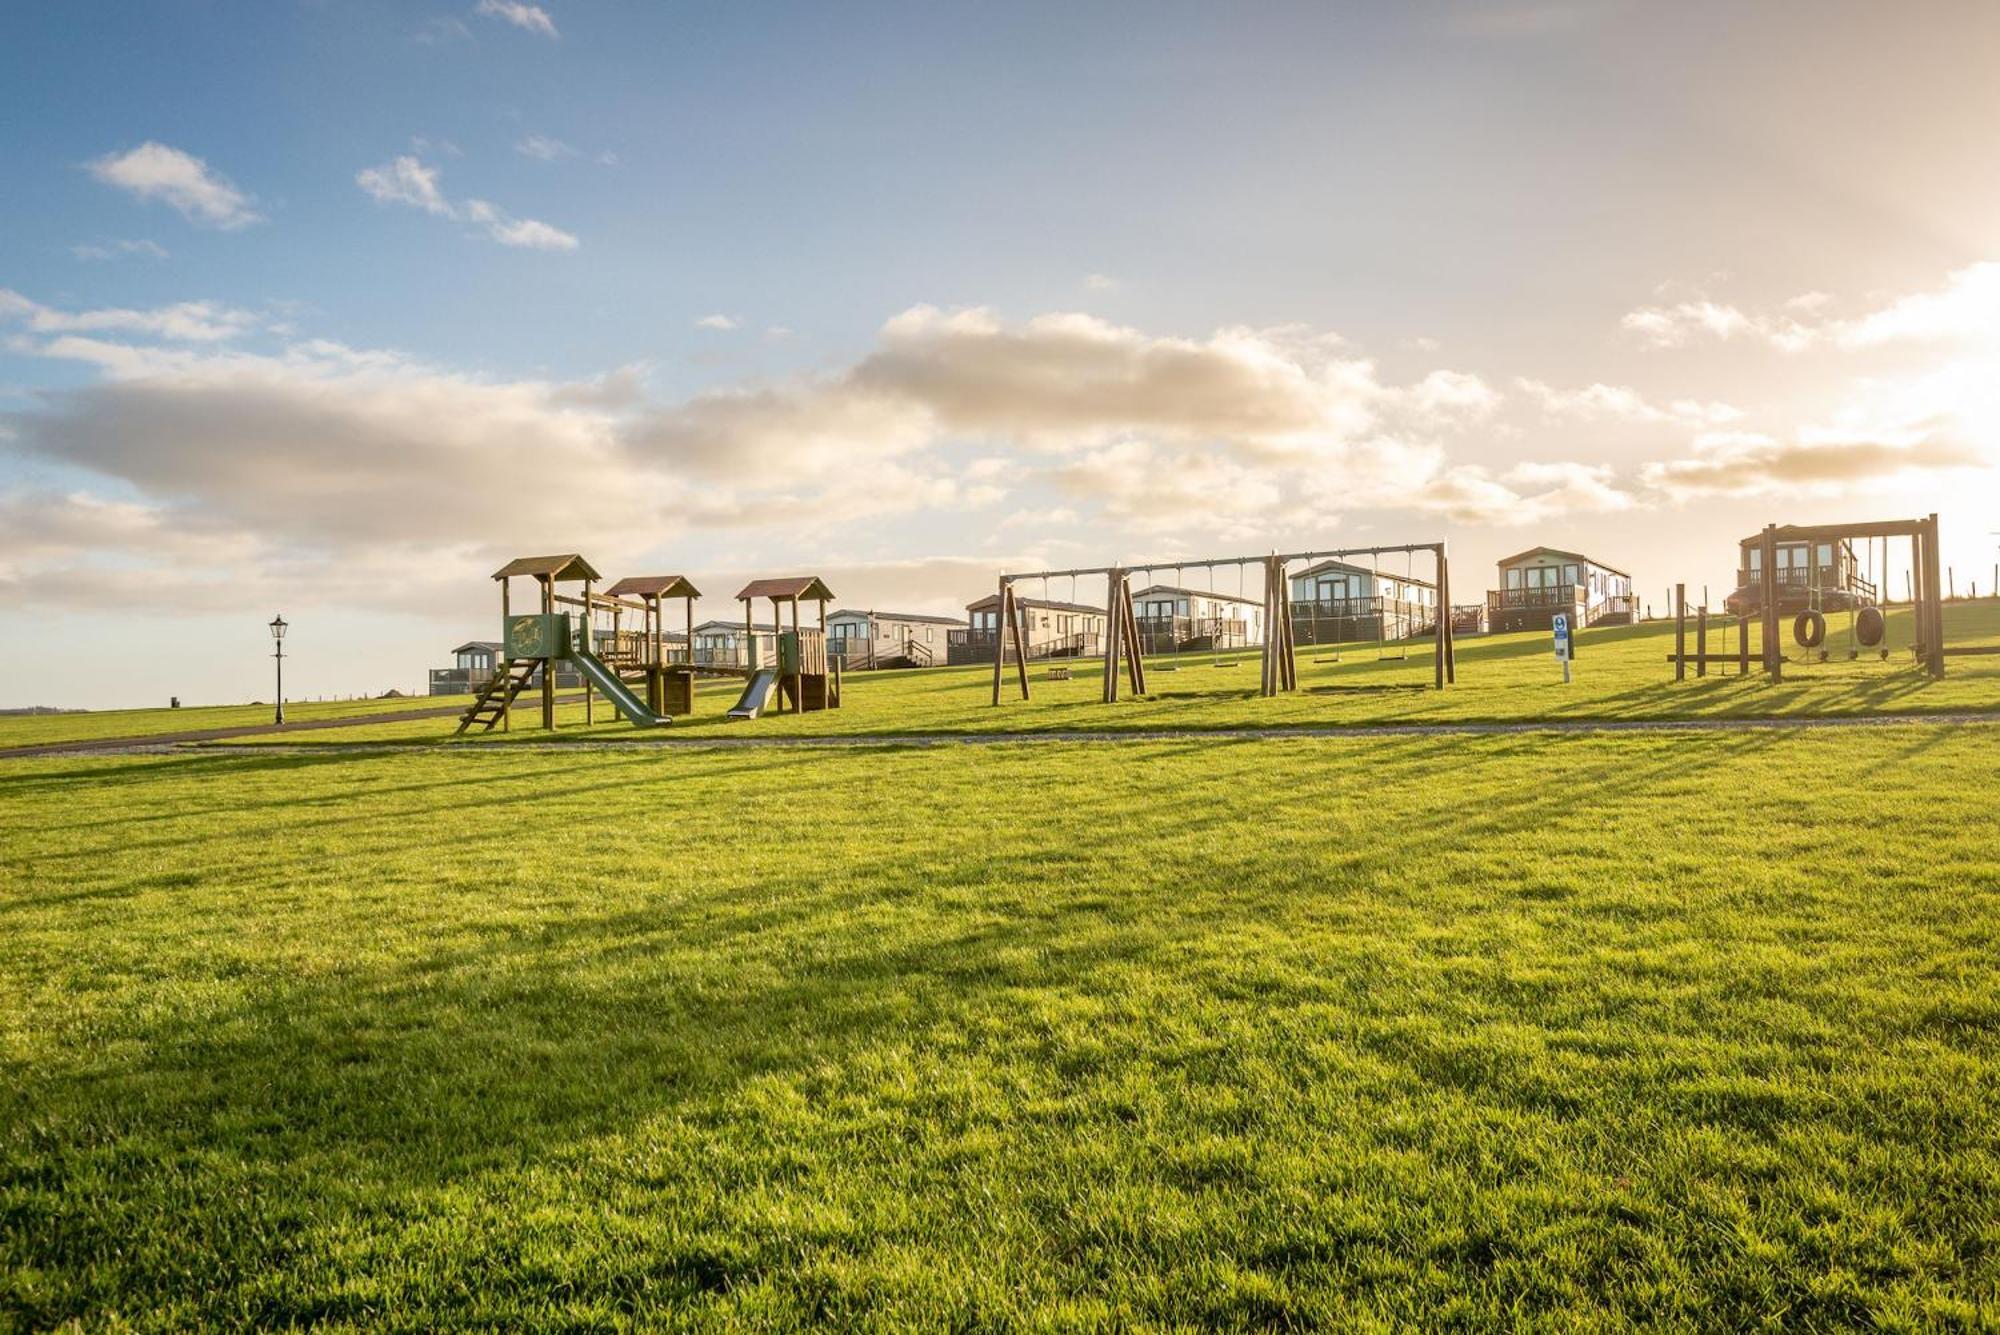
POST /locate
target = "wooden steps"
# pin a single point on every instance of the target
(491, 704)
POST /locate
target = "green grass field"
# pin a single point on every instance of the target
(91, 725)
(1689, 1030)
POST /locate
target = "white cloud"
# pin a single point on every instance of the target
(1680, 324)
(1453, 395)
(543, 148)
(187, 321)
(111, 250)
(529, 233)
(373, 457)
(1098, 282)
(441, 30)
(1966, 309)
(186, 183)
(529, 18)
(717, 321)
(407, 180)
(1599, 402)
(1735, 464)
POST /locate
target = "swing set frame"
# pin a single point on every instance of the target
(1926, 596)
(1125, 664)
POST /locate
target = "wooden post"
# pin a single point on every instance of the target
(1135, 657)
(584, 631)
(1701, 641)
(1291, 643)
(506, 661)
(548, 664)
(999, 638)
(1449, 630)
(798, 658)
(1114, 627)
(1774, 656)
(1019, 629)
(1680, 632)
(1743, 645)
(1935, 641)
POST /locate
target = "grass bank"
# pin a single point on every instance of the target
(1698, 1030)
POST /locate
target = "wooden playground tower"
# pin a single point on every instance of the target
(669, 685)
(1122, 656)
(804, 678)
(539, 640)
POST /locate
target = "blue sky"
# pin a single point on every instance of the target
(912, 293)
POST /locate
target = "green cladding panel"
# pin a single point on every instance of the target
(788, 652)
(538, 635)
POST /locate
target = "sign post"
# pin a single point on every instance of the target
(1561, 625)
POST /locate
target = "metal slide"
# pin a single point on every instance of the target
(604, 679)
(755, 694)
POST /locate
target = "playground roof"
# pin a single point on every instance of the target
(654, 586)
(792, 586)
(566, 566)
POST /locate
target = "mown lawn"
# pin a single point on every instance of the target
(1695, 1030)
(90, 725)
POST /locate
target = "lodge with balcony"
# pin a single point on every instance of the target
(1172, 620)
(1339, 602)
(725, 646)
(1542, 582)
(474, 663)
(860, 640)
(1054, 630)
(1821, 575)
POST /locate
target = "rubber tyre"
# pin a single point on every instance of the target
(1809, 629)
(1869, 626)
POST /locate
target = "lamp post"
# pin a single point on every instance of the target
(278, 639)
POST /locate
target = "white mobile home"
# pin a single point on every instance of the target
(1542, 581)
(1337, 601)
(1171, 618)
(871, 639)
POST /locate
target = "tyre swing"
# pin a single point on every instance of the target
(1867, 627)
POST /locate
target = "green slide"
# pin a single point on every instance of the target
(756, 694)
(604, 679)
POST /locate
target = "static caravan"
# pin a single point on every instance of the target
(474, 663)
(871, 639)
(1172, 619)
(1055, 630)
(1823, 575)
(1542, 581)
(1336, 602)
(720, 644)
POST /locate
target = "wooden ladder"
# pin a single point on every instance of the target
(498, 693)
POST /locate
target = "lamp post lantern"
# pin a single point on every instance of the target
(278, 640)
